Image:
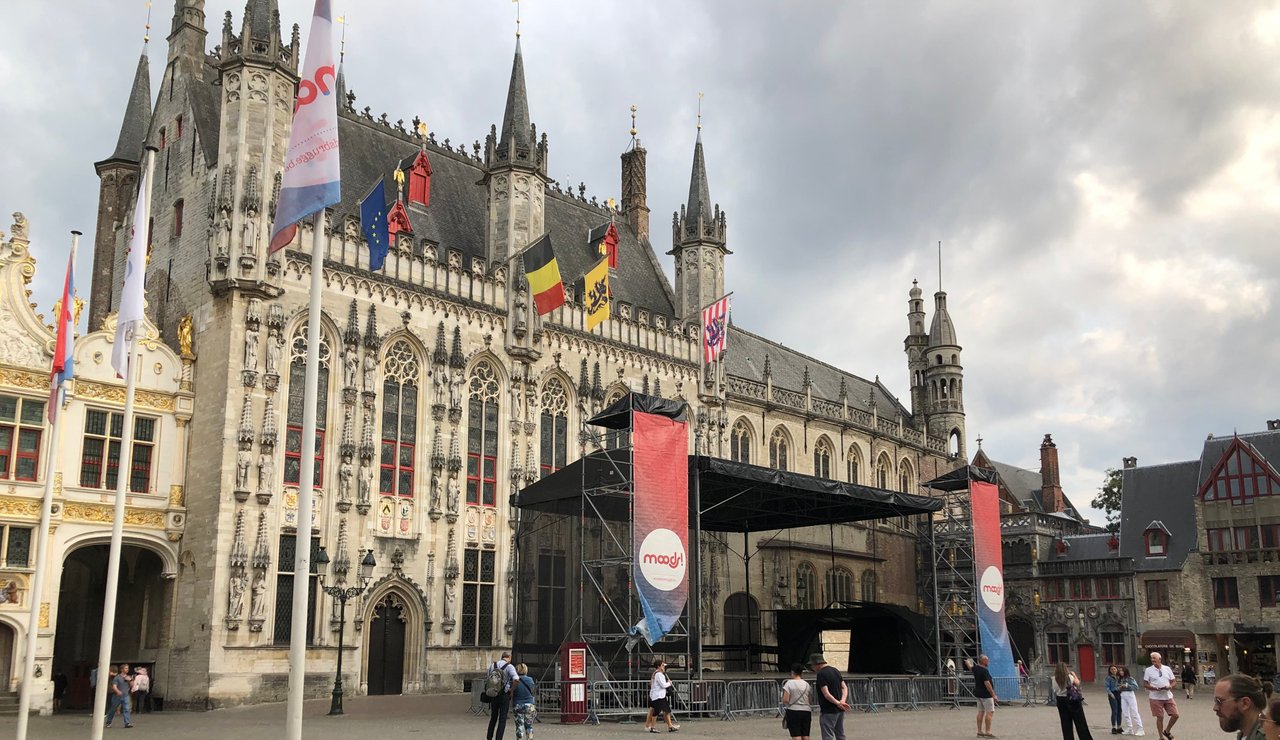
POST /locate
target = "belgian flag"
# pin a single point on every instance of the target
(544, 276)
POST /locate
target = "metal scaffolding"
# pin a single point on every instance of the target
(951, 580)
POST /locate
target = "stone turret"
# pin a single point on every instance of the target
(944, 379)
(916, 343)
(698, 239)
(515, 173)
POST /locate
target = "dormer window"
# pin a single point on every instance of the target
(420, 180)
(1157, 541)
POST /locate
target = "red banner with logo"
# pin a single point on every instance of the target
(989, 569)
(660, 533)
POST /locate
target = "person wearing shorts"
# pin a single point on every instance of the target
(985, 692)
(1158, 679)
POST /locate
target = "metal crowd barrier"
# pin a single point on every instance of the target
(893, 693)
(762, 696)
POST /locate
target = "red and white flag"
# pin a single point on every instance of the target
(63, 368)
(715, 328)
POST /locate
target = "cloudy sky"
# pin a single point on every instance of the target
(1103, 176)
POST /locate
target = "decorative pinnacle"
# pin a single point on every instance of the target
(517, 2)
(146, 34)
(633, 121)
(342, 45)
(699, 111)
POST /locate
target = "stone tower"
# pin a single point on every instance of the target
(634, 199)
(916, 343)
(515, 174)
(944, 379)
(117, 188)
(698, 243)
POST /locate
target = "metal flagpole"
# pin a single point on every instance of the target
(117, 520)
(306, 481)
(35, 595)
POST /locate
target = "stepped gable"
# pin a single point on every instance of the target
(458, 217)
(745, 359)
(1164, 493)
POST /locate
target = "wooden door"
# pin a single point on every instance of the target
(741, 632)
(1086, 663)
(386, 647)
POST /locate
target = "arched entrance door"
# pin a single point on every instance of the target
(1023, 636)
(741, 632)
(386, 646)
(141, 601)
(7, 639)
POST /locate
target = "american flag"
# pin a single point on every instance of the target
(715, 328)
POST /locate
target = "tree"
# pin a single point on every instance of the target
(1108, 499)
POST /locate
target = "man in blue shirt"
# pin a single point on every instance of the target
(501, 703)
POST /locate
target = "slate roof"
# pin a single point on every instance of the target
(1163, 493)
(1027, 487)
(206, 110)
(745, 359)
(137, 116)
(1266, 444)
(941, 332)
(1088, 547)
(699, 203)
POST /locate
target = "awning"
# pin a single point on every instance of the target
(736, 497)
(1168, 642)
(959, 479)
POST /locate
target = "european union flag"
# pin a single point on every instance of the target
(373, 222)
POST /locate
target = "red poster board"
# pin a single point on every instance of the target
(573, 683)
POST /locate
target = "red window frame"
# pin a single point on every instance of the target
(1059, 646)
(1268, 591)
(1158, 594)
(1219, 539)
(1226, 593)
(11, 453)
(296, 454)
(1270, 536)
(98, 469)
(1153, 536)
(392, 479)
(482, 476)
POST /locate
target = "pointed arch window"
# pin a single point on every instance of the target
(839, 585)
(853, 465)
(401, 378)
(554, 427)
(906, 481)
(883, 468)
(822, 458)
(740, 442)
(297, 394)
(779, 449)
(482, 436)
(869, 585)
(806, 586)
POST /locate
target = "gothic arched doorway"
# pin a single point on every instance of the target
(386, 646)
(741, 632)
(1023, 636)
(141, 607)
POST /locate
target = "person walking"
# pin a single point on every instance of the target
(659, 703)
(1238, 701)
(1158, 679)
(1113, 697)
(141, 689)
(797, 707)
(984, 691)
(833, 696)
(1129, 713)
(1070, 703)
(501, 703)
(118, 694)
(59, 689)
(1189, 679)
(522, 697)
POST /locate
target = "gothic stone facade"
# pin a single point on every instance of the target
(442, 391)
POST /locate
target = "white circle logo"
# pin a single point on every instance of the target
(662, 559)
(992, 587)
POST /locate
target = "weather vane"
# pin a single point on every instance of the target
(146, 34)
(342, 44)
(699, 111)
(633, 121)
(517, 2)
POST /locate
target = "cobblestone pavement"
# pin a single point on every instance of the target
(448, 717)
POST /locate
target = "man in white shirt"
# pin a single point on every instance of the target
(1158, 680)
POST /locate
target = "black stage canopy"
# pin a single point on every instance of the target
(959, 479)
(736, 497)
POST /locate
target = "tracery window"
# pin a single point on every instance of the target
(482, 436)
(401, 378)
(740, 442)
(868, 585)
(555, 427)
(778, 449)
(883, 466)
(822, 458)
(853, 465)
(806, 586)
(297, 394)
(839, 585)
(905, 479)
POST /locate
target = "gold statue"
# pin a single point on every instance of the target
(399, 178)
(77, 305)
(185, 335)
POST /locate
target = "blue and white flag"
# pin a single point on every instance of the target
(63, 366)
(311, 178)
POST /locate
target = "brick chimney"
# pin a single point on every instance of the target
(1050, 481)
(634, 201)
(1130, 462)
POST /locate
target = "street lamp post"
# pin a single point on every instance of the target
(342, 594)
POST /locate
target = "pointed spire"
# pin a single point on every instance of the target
(942, 333)
(515, 120)
(262, 20)
(137, 115)
(699, 206)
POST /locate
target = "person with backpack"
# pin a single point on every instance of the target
(522, 696)
(498, 682)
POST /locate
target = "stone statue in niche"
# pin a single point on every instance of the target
(440, 384)
(235, 596)
(244, 459)
(435, 494)
(345, 472)
(211, 234)
(250, 232)
(454, 496)
(521, 309)
(349, 364)
(224, 236)
(266, 471)
(273, 351)
(455, 389)
(370, 373)
(366, 484)
(449, 602)
(259, 608)
(251, 349)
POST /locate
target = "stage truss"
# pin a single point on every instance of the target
(951, 581)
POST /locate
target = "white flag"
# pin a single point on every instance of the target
(132, 297)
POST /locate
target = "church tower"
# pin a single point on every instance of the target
(258, 75)
(515, 174)
(698, 243)
(944, 379)
(916, 344)
(117, 188)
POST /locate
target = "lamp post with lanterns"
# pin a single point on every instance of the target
(342, 593)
